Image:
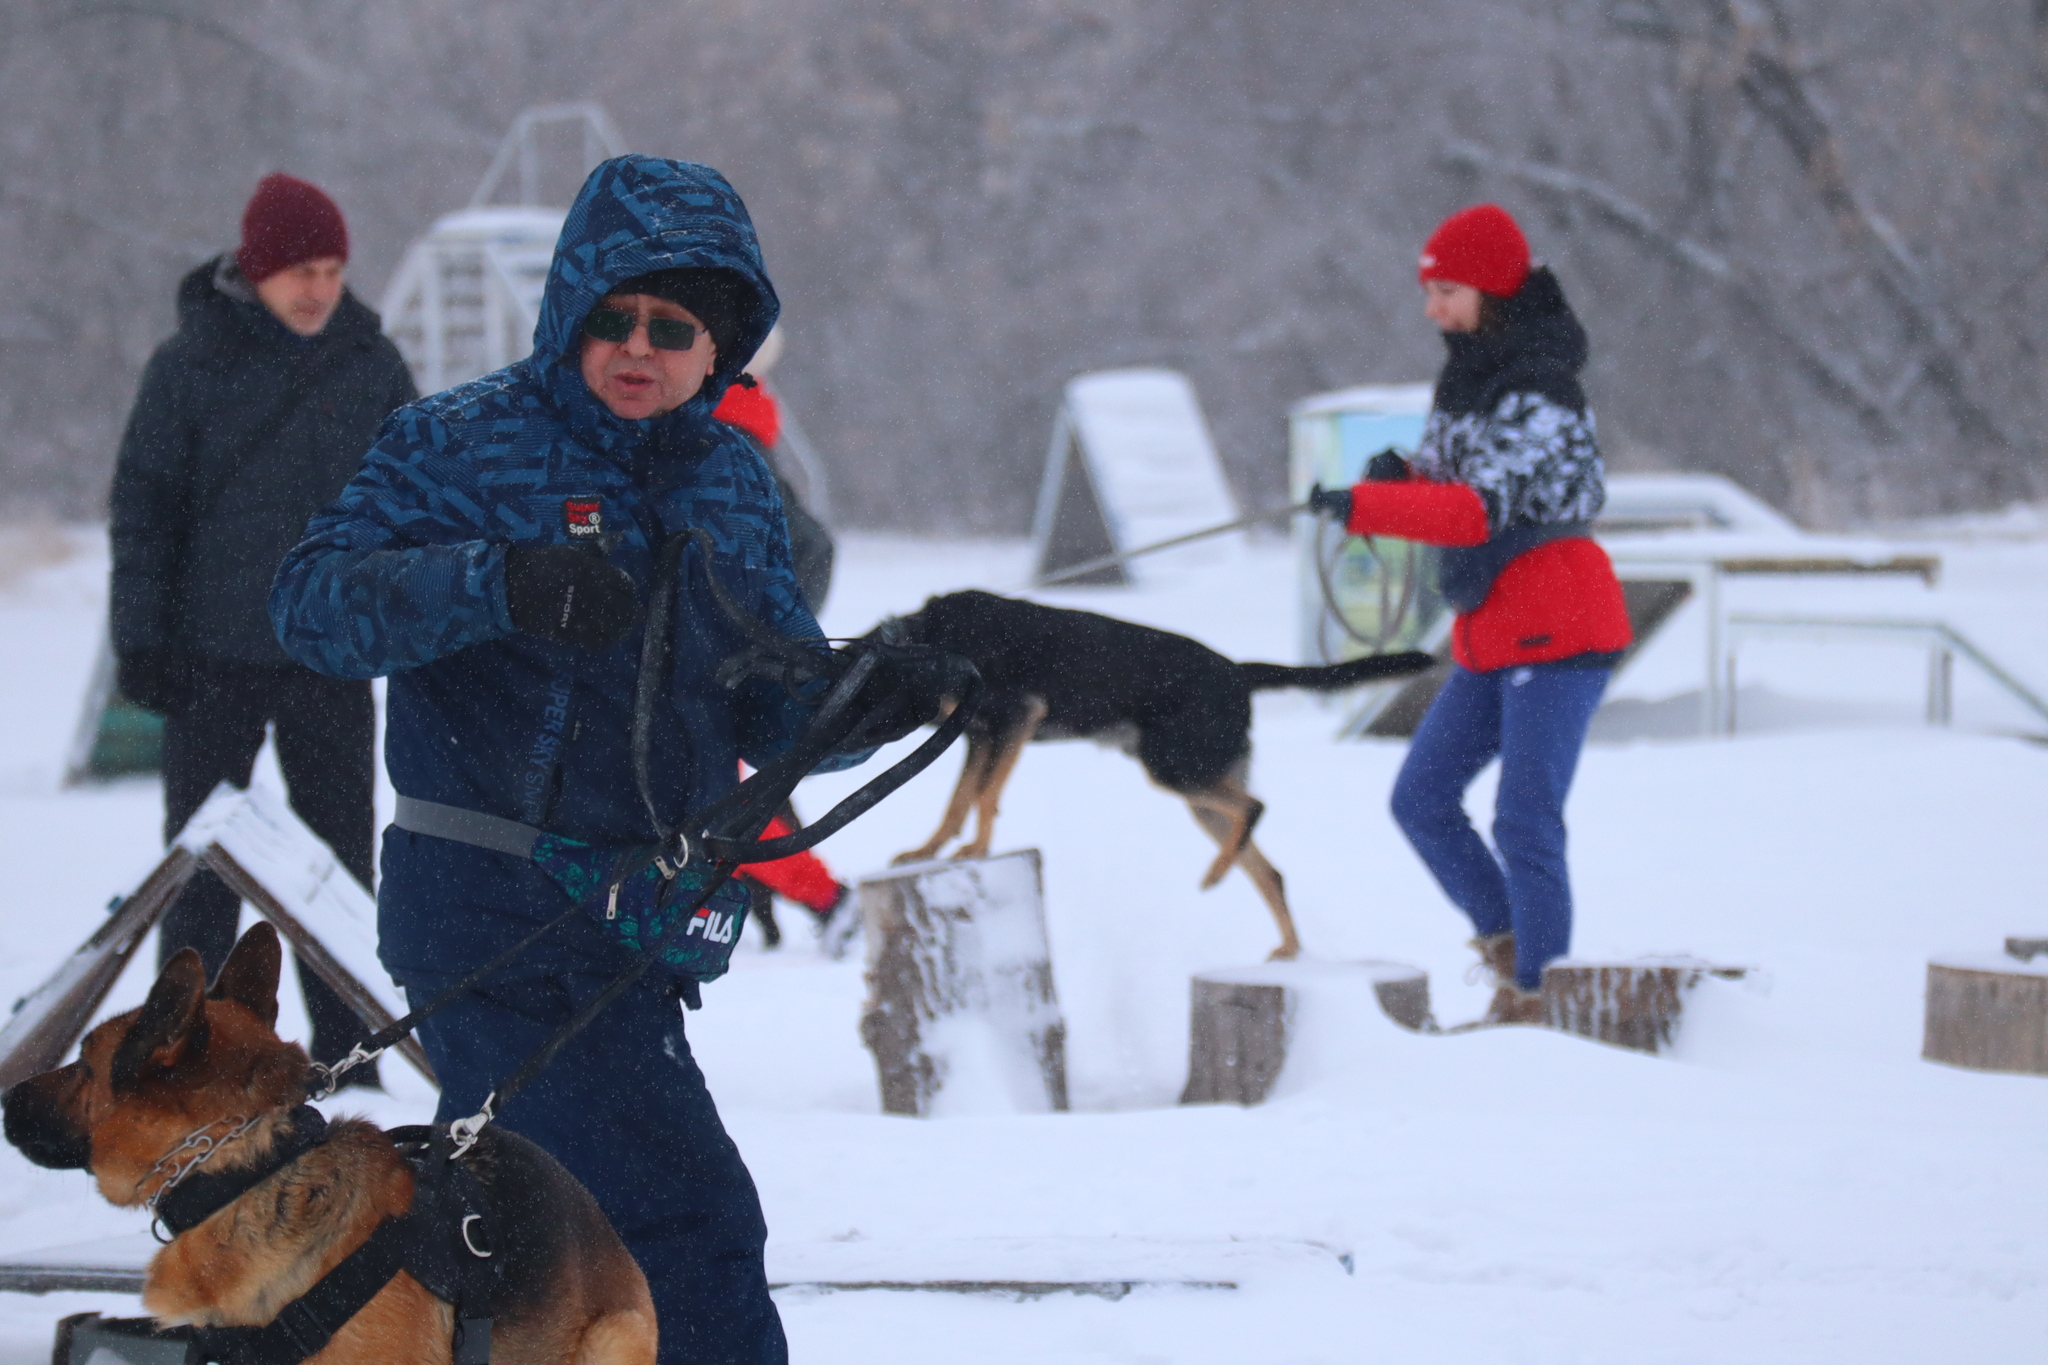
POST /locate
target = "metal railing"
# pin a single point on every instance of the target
(1942, 641)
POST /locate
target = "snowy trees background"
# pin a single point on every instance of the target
(1807, 235)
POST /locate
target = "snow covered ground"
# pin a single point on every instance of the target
(1793, 1185)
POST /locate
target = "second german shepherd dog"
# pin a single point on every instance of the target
(193, 1061)
(1183, 710)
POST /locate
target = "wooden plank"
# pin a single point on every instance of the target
(58, 1279)
(1017, 1291)
(314, 954)
(1927, 568)
(56, 1014)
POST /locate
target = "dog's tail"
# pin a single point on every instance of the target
(1336, 677)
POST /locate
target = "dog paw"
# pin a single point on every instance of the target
(915, 855)
(1286, 952)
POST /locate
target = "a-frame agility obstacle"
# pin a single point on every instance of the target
(255, 843)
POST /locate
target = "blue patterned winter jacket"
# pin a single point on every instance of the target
(405, 575)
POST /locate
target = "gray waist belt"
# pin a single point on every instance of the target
(465, 826)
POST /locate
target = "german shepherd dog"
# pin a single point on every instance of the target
(1183, 710)
(193, 1061)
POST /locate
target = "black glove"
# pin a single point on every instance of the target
(157, 679)
(1331, 502)
(569, 594)
(1386, 467)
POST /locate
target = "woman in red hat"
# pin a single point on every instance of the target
(1507, 479)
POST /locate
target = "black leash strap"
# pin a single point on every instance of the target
(303, 1327)
(726, 833)
(327, 1078)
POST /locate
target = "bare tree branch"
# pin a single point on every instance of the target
(1756, 37)
(1837, 376)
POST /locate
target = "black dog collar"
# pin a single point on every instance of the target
(204, 1193)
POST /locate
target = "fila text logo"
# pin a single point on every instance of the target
(715, 928)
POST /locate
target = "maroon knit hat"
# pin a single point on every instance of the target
(1481, 246)
(288, 222)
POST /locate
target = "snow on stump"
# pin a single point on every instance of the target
(1629, 1004)
(961, 1013)
(1990, 1013)
(1241, 1020)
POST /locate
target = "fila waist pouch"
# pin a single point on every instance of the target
(634, 911)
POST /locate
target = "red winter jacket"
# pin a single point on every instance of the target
(750, 407)
(1553, 602)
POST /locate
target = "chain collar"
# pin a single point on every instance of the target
(197, 1148)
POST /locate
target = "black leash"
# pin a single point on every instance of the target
(727, 831)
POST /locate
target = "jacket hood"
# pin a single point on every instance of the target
(637, 214)
(219, 309)
(1536, 346)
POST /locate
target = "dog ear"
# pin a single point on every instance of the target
(169, 1028)
(250, 976)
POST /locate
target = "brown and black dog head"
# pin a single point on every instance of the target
(145, 1079)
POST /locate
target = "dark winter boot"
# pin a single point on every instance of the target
(1496, 959)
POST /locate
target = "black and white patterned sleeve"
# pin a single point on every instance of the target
(1530, 460)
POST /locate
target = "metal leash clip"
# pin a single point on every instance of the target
(466, 1131)
(330, 1076)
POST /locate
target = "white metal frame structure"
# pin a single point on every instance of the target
(520, 150)
(1942, 641)
(466, 297)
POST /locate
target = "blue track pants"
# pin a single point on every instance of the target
(624, 1107)
(1534, 720)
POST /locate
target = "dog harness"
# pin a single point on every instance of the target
(445, 1241)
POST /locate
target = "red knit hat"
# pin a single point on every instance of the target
(288, 222)
(1481, 246)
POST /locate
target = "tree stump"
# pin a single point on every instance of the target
(1988, 1013)
(1629, 1004)
(961, 1014)
(1240, 1021)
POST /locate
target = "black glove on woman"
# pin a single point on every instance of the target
(569, 594)
(1386, 467)
(1334, 503)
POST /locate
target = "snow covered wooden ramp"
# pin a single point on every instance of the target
(252, 841)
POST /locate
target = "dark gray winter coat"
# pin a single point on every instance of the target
(240, 433)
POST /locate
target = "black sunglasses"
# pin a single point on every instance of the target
(663, 334)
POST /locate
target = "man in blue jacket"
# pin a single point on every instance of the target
(494, 555)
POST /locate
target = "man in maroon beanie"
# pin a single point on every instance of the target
(249, 420)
